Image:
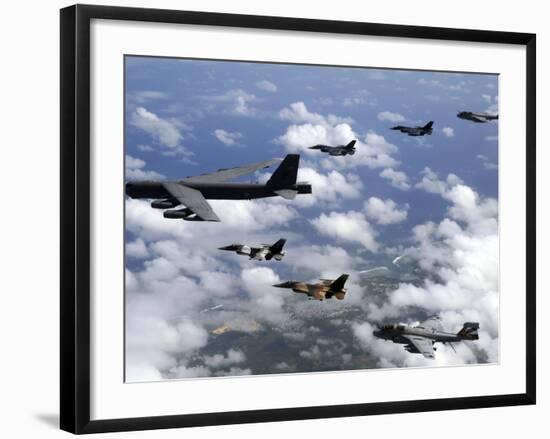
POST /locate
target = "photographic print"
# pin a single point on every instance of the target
(289, 218)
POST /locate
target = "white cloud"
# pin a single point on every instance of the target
(461, 255)
(487, 98)
(137, 249)
(385, 211)
(448, 131)
(351, 227)
(219, 360)
(236, 101)
(297, 112)
(266, 86)
(431, 183)
(392, 117)
(398, 179)
(266, 301)
(163, 131)
(134, 170)
(310, 129)
(226, 137)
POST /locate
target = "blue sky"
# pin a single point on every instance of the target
(185, 117)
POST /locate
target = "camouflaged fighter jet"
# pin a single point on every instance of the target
(265, 252)
(421, 339)
(416, 131)
(477, 117)
(325, 289)
(337, 150)
(192, 192)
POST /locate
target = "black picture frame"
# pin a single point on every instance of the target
(75, 217)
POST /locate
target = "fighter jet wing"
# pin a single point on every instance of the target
(192, 199)
(420, 345)
(225, 174)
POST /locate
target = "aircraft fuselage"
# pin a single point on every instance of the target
(212, 191)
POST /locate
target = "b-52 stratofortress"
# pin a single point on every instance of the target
(477, 117)
(192, 192)
(337, 150)
(421, 339)
(265, 252)
(416, 131)
(326, 289)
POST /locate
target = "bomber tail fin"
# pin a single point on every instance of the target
(469, 331)
(285, 175)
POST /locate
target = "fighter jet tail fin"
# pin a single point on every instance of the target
(429, 125)
(285, 175)
(339, 283)
(469, 331)
(351, 144)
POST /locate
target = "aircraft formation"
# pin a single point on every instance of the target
(193, 192)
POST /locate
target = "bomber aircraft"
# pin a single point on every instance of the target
(421, 339)
(416, 131)
(325, 289)
(265, 252)
(477, 117)
(192, 192)
(337, 150)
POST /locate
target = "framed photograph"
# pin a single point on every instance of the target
(268, 218)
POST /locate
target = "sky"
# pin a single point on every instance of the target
(432, 200)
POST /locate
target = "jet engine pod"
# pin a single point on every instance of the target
(245, 250)
(164, 204)
(178, 214)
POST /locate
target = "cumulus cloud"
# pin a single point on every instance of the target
(350, 226)
(310, 129)
(219, 360)
(431, 183)
(392, 117)
(161, 130)
(460, 255)
(137, 249)
(236, 101)
(448, 131)
(398, 179)
(226, 137)
(297, 112)
(385, 212)
(266, 85)
(134, 170)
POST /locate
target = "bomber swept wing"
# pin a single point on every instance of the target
(225, 174)
(192, 199)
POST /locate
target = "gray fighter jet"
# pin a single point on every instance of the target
(265, 252)
(337, 150)
(421, 339)
(326, 289)
(192, 192)
(416, 131)
(477, 117)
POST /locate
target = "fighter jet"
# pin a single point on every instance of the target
(325, 289)
(415, 131)
(337, 150)
(421, 339)
(477, 117)
(192, 192)
(265, 252)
